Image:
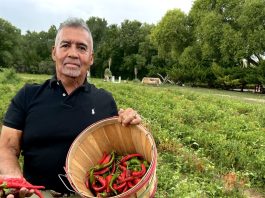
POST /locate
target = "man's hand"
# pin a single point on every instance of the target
(129, 116)
(15, 192)
(23, 192)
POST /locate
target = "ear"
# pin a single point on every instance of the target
(53, 53)
(91, 61)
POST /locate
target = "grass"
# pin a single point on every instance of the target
(210, 142)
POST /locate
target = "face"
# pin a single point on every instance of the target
(72, 53)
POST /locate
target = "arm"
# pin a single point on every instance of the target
(10, 140)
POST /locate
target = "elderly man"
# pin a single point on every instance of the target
(43, 120)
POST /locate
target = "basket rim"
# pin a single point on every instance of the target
(147, 176)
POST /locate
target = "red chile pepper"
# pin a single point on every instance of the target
(125, 188)
(108, 179)
(127, 157)
(114, 186)
(139, 173)
(103, 183)
(17, 183)
(113, 169)
(127, 179)
(122, 168)
(130, 184)
(87, 183)
(121, 177)
(96, 188)
(106, 159)
(119, 187)
(103, 157)
(104, 165)
(128, 173)
(136, 180)
(102, 171)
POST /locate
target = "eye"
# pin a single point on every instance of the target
(82, 48)
(64, 45)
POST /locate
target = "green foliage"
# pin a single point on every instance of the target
(9, 76)
(261, 72)
(201, 137)
(98, 27)
(220, 129)
(171, 35)
(229, 33)
(10, 54)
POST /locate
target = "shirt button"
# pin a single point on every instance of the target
(64, 94)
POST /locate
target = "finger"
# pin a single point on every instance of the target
(137, 119)
(30, 193)
(22, 192)
(121, 111)
(12, 192)
(128, 118)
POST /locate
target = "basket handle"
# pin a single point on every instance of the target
(61, 178)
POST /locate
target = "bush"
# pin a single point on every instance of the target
(9, 76)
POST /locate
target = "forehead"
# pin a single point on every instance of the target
(74, 34)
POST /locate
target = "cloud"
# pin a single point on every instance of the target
(41, 14)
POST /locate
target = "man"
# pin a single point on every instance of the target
(43, 120)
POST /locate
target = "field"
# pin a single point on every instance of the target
(210, 143)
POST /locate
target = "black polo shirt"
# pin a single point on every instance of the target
(50, 120)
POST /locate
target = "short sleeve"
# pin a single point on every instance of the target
(114, 110)
(16, 112)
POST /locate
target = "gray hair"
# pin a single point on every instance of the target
(75, 23)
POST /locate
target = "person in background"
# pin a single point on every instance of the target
(43, 120)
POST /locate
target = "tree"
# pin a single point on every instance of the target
(172, 34)
(252, 27)
(32, 45)
(229, 31)
(132, 64)
(10, 42)
(98, 27)
(109, 47)
(190, 68)
(130, 36)
(208, 35)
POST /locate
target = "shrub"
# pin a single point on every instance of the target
(9, 76)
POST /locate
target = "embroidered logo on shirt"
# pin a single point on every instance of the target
(93, 111)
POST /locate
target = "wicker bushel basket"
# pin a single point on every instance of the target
(108, 135)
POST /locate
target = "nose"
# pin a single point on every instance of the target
(72, 52)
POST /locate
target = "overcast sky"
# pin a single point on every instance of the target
(38, 15)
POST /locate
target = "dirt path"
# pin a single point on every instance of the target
(251, 193)
(243, 98)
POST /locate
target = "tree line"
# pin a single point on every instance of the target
(219, 43)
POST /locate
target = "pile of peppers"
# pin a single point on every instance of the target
(13, 185)
(115, 174)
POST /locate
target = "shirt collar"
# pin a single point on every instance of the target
(85, 86)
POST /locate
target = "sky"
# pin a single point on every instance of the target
(39, 15)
